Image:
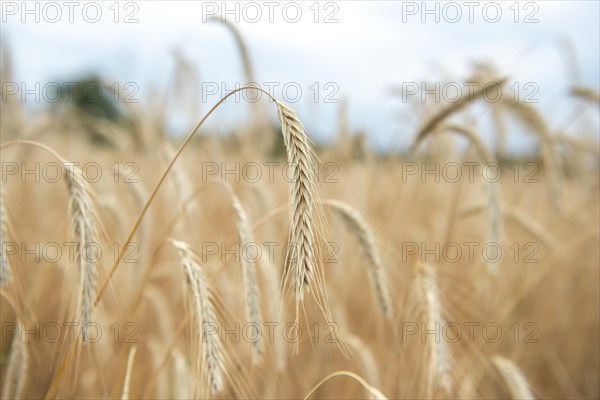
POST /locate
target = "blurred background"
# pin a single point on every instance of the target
(326, 58)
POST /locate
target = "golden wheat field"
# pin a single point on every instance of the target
(263, 263)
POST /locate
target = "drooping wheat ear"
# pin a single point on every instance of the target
(439, 365)
(431, 123)
(5, 273)
(514, 378)
(301, 261)
(16, 370)
(252, 304)
(127, 381)
(83, 222)
(533, 121)
(586, 93)
(204, 315)
(365, 237)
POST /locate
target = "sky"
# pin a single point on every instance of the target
(311, 54)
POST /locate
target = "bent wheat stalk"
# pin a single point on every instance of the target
(373, 392)
(302, 197)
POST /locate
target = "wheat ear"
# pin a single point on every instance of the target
(252, 306)
(514, 378)
(16, 370)
(365, 237)
(5, 273)
(204, 313)
(301, 261)
(83, 222)
(439, 365)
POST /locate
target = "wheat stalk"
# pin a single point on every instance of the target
(204, 313)
(16, 370)
(180, 180)
(586, 93)
(514, 378)
(5, 273)
(372, 391)
(128, 371)
(365, 237)
(439, 365)
(252, 307)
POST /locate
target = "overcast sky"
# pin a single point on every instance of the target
(365, 50)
